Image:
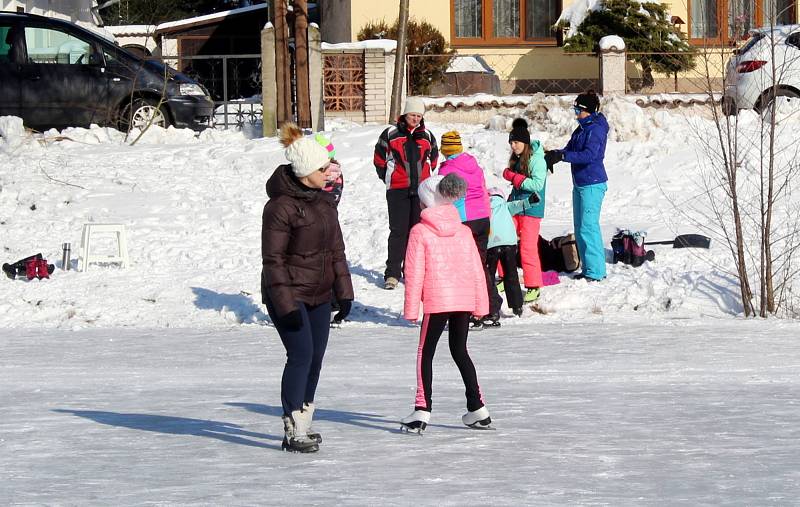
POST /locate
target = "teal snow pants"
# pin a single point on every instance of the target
(586, 204)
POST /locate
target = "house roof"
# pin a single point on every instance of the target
(130, 30)
(208, 19)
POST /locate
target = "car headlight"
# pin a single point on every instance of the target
(192, 89)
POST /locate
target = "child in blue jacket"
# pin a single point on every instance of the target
(503, 249)
(585, 151)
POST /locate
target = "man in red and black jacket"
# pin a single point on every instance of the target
(405, 155)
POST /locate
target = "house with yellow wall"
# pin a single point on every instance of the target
(516, 39)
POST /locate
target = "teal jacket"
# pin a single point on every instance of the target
(536, 182)
(502, 231)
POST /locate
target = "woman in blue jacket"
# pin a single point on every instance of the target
(585, 151)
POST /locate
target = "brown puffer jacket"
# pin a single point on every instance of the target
(302, 249)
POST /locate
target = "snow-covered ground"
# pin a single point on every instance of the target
(192, 208)
(646, 388)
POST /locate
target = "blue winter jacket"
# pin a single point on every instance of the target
(586, 149)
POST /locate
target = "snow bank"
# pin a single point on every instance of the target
(192, 207)
(11, 130)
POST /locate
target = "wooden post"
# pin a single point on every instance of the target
(399, 62)
(283, 84)
(301, 63)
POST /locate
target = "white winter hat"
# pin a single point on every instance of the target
(414, 105)
(305, 154)
(428, 194)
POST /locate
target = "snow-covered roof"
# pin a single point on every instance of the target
(208, 18)
(384, 44)
(130, 30)
(469, 64)
(485, 100)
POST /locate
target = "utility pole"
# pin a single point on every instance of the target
(301, 63)
(399, 62)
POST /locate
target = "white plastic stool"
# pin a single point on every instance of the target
(89, 232)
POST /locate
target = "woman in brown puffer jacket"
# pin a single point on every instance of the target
(303, 259)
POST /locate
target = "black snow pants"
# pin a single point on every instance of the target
(507, 256)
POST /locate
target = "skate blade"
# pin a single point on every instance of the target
(306, 450)
(410, 430)
(481, 427)
(483, 424)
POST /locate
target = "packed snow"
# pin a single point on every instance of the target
(159, 383)
(574, 14)
(610, 42)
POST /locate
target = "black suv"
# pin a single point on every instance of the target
(55, 74)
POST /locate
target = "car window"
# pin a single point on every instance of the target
(754, 38)
(794, 40)
(5, 43)
(46, 45)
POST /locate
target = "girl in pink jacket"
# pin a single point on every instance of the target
(474, 208)
(443, 271)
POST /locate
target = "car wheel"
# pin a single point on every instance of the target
(144, 112)
(765, 102)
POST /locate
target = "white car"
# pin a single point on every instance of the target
(752, 81)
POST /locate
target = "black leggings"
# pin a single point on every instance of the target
(432, 327)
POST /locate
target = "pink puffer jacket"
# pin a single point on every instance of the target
(443, 268)
(477, 199)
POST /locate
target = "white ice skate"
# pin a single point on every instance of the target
(307, 414)
(416, 422)
(296, 438)
(478, 419)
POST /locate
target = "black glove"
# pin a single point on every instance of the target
(534, 198)
(552, 157)
(292, 321)
(344, 310)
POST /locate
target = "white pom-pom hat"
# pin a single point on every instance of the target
(306, 156)
(305, 153)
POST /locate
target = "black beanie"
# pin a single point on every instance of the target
(588, 101)
(519, 132)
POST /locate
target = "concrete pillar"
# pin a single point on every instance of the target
(315, 78)
(612, 65)
(269, 91)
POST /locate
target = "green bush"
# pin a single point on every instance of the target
(645, 27)
(422, 39)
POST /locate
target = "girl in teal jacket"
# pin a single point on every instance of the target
(527, 172)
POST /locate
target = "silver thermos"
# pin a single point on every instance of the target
(65, 262)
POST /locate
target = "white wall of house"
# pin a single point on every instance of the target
(77, 11)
